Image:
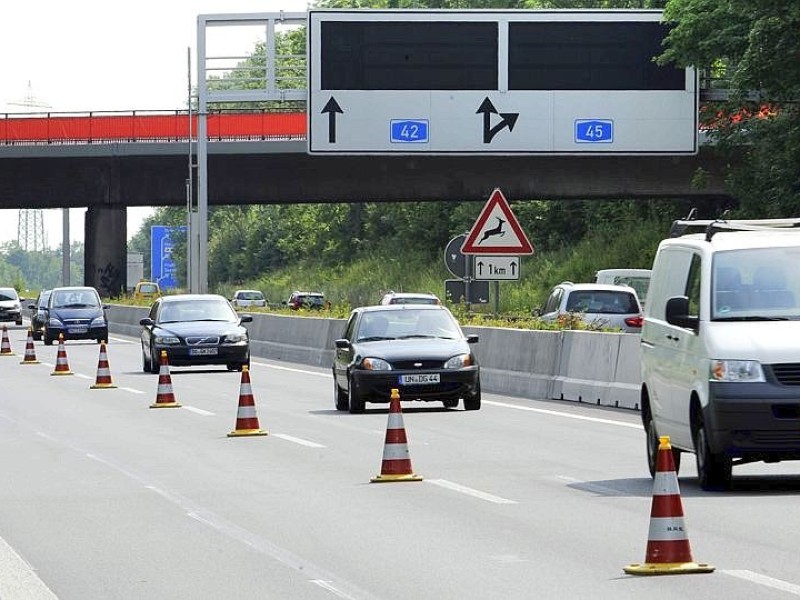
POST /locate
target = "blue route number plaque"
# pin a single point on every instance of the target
(594, 131)
(409, 131)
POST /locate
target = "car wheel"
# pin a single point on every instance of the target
(36, 335)
(145, 361)
(19, 322)
(714, 470)
(48, 341)
(155, 361)
(340, 397)
(354, 400)
(450, 402)
(652, 448)
(473, 402)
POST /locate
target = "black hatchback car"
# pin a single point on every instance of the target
(194, 329)
(418, 349)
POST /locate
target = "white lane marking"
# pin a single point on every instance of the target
(199, 411)
(19, 579)
(297, 440)
(470, 491)
(771, 582)
(132, 390)
(293, 370)
(326, 585)
(82, 376)
(122, 340)
(557, 413)
(47, 364)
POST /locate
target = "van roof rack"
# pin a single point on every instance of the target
(712, 226)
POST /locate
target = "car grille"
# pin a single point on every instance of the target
(412, 365)
(76, 321)
(209, 340)
(787, 373)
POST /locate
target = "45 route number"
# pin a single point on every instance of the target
(593, 131)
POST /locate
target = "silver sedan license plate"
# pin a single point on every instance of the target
(419, 379)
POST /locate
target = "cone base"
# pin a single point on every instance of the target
(246, 432)
(62, 373)
(30, 362)
(102, 386)
(7, 354)
(667, 568)
(166, 405)
(389, 478)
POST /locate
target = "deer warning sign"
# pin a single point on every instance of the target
(496, 231)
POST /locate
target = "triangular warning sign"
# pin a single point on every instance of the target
(496, 231)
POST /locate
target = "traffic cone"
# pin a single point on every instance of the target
(668, 550)
(103, 380)
(246, 418)
(5, 346)
(62, 366)
(396, 465)
(30, 351)
(164, 396)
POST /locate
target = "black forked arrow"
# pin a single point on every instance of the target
(508, 120)
(332, 107)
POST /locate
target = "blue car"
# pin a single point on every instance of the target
(76, 313)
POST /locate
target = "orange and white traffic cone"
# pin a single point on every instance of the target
(30, 351)
(164, 396)
(5, 345)
(103, 380)
(668, 550)
(62, 366)
(246, 417)
(396, 465)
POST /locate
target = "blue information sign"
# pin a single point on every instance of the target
(162, 265)
(409, 131)
(594, 131)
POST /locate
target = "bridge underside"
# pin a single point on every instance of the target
(108, 179)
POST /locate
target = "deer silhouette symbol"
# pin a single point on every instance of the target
(494, 231)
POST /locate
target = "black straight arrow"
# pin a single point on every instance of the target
(480, 267)
(332, 107)
(513, 269)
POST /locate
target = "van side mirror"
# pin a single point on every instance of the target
(677, 313)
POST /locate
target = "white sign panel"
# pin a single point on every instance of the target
(392, 82)
(497, 268)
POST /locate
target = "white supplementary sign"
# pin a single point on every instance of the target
(497, 268)
(496, 231)
(375, 84)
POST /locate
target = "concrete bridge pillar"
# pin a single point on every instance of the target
(106, 250)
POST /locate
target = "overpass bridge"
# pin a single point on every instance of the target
(109, 161)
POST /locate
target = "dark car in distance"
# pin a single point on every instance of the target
(39, 314)
(194, 329)
(418, 349)
(75, 313)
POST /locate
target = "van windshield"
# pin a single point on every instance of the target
(756, 284)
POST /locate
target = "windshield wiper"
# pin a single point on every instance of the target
(374, 338)
(76, 305)
(415, 335)
(752, 318)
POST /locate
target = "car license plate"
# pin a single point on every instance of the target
(77, 329)
(202, 351)
(419, 379)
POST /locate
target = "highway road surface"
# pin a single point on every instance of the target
(103, 497)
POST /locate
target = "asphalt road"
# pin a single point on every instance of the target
(103, 497)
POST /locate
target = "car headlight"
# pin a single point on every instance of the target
(234, 338)
(736, 370)
(98, 322)
(53, 322)
(376, 364)
(459, 362)
(166, 340)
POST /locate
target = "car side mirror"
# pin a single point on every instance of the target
(536, 312)
(31, 307)
(472, 339)
(246, 319)
(147, 322)
(342, 344)
(677, 313)
(106, 306)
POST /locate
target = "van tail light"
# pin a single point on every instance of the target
(634, 321)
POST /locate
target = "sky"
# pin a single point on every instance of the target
(107, 55)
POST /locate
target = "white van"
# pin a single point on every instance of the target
(720, 351)
(638, 279)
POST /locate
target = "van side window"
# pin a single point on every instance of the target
(693, 286)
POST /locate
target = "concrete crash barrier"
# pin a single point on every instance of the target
(583, 366)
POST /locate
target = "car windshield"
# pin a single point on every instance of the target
(149, 288)
(755, 284)
(6, 295)
(406, 324)
(310, 300)
(640, 284)
(196, 310)
(602, 302)
(250, 296)
(414, 300)
(75, 299)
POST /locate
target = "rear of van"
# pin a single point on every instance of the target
(720, 358)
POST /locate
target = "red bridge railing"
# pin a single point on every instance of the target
(150, 126)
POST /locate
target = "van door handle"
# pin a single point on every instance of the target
(674, 338)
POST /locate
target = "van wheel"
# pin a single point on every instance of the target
(714, 470)
(652, 449)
